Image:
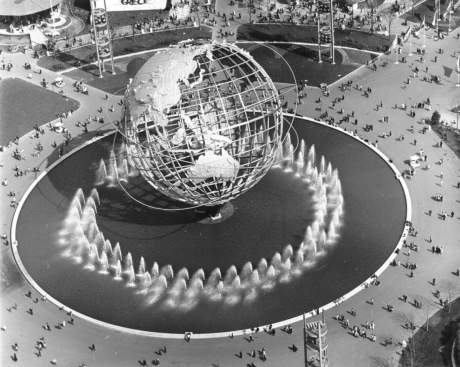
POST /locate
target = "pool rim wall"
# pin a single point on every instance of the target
(223, 334)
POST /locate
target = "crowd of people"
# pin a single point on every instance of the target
(18, 24)
(331, 110)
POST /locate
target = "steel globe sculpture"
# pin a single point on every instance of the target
(202, 122)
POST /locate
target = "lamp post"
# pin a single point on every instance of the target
(424, 34)
(331, 10)
(93, 20)
(109, 35)
(318, 14)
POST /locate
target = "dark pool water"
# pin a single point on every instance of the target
(266, 218)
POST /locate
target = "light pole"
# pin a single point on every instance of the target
(318, 14)
(458, 72)
(93, 20)
(331, 10)
(438, 16)
(109, 35)
(424, 33)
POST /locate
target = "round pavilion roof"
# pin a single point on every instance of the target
(25, 7)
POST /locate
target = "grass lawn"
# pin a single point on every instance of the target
(115, 84)
(123, 46)
(303, 61)
(25, 104)
(299, 33)
(433, 347)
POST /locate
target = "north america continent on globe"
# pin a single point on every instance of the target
(202, 122)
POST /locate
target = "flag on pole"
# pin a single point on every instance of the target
(423, 22)
(407, 34)
(435, 17)
(448, 9)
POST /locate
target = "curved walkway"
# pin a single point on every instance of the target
(343, 298)
(69, 344)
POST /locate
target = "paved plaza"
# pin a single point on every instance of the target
(394, 132)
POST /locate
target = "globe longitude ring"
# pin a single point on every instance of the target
(202, 123)
(182, 132)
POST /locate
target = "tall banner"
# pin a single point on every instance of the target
(435, 18)
(407, 34)
(448, 9)
(132, 5)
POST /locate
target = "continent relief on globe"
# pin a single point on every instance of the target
(157, 91)
(154, 95)
(211, 165)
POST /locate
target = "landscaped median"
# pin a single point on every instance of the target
(307, 33)
(433, 343)
(122, 46)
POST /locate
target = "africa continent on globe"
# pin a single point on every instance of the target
(202, 122)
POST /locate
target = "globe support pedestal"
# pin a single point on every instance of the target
(217, 214)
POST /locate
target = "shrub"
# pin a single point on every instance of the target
(435, 117)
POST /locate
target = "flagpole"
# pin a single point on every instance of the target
(438, 18)
(458, 72)
(424, 35)
(424, 32)
(457, 69)
(434, 22)
(437, 28)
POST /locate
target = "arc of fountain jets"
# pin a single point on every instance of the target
(83, 241)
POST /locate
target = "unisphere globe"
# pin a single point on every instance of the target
(202, 122)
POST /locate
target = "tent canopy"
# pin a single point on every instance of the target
(19, 8)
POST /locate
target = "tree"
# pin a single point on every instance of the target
(389, 17)
(51, 45)
(342, 5)
(372, 4)
(435, 117)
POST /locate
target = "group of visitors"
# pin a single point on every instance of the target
(357, 331)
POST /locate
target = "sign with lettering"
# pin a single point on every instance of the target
(131, 5)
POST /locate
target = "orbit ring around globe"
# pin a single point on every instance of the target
(201, 173)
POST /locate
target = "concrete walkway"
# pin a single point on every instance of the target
(70, 345)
